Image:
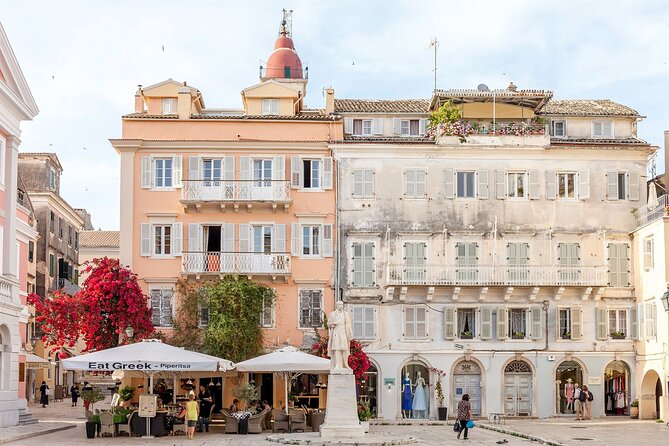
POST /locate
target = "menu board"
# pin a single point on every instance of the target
(148, 405)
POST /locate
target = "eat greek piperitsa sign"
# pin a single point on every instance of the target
(93, 365)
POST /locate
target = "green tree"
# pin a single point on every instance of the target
(222, 317)
(448, 113)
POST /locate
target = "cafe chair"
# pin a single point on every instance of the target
(179, 426)
(257, 422)
(107, 424)
(281, 421)
(124, 428)
(298, 420)
(231, 424)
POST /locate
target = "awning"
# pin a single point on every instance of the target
(35, 362)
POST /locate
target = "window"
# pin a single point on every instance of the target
(362, 127)
(465, 185)
(270, 107)
(414, 183)
(267, 313)
(311, 240)
(163, 172)
(363, 265)
(648, 253)
(211, 170)
(517, 323)
(618, 324)
(622, 188)
(312, 174)
(567, 185)
(70, 236)
(363, 183)
(203, 315)
(410, 127)
(262, 239)
(311, 302)
(518, 258)
(161, 307)
(52, 178)
(52, 265)
(52, 222)
(558, 129)
(31, 251)
(415, 323)
(466, 323)
(568, 259)
(415, 256)
(651, 320)
(262, 172)
(517, 184)
(76, 240)
(618, 264)
(169, 106)
(363, 322)
(602, 129)
(162, 240)
(60, 228)
(564, 315)
(466, 260)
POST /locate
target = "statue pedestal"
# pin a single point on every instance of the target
(341, 413)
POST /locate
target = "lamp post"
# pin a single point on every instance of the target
(129, 332)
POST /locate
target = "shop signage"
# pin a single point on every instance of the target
(388, 381)
(595, 380)
(145, 365)
(147, 405)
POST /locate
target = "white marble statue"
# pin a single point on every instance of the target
(339, 342)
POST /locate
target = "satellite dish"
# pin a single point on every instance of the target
(482, 87)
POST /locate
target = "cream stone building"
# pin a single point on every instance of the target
(96, 245)
(501, 257)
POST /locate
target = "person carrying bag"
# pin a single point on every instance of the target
(464, 417)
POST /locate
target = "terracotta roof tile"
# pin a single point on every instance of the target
(106, 239)
(598, 141)
(388, 139)
(587, 107)
(381, 105)
(300, 117)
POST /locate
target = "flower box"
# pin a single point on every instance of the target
(618, 335)
(518, 335)
(466, 335)
(566, 336)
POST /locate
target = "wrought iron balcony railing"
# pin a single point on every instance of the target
(235, 263)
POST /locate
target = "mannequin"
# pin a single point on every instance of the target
(419, 405)
(407, 396)
(569, 395)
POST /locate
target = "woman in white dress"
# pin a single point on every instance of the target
(419, 405)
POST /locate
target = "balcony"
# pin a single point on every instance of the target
(487, 275)
(469, 133)
(5, 290)
(248, 263)
(236, 193)
(654, 210)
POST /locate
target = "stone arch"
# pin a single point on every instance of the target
(424, 366)
(518, 366)
(559, 403)
(649, 397)
(5, 357)
(375, 394)
(615, 368)
(464, 369)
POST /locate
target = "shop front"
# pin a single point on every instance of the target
(616, 388)
(568, 375)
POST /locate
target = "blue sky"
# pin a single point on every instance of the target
(83, 60)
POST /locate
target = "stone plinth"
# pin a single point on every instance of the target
(341, 413)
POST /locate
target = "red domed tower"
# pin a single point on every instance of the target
(283, 63)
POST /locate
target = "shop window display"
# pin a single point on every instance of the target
(568, 375)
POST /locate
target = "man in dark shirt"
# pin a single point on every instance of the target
(206, 401)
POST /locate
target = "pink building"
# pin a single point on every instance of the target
(16, 105)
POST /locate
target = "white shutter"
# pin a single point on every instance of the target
(177, 170)
(357, 322)
(397, 126)
(486, 323)
(422, 126)
(279, 238)
(377, 126)
(500, 184)
(368, 321)
(348, 125)
(244, 233)
(623, 264)
(410, 183)
(145, 235)
(584, 184)
(369, 278)
(296, 172)
(244, 168)
(534, 184)
(421, 180)
(357, 189)
(228, 168)
(502, 321)
(613, 264)
(641, 322)
(357, 264)
(327, 172)
(607, 129)
(449, 183)
(327, 241)
(536, 327)
(633, 184)
(651, 322)
(279, 168)
(368, 183)
(155, 307)
(195, 237)
(295, 245)
(576, 324)
(634, 323)
(551, 185)
(449, 323)
(177, 234)
(482, 176)
(421, 323)
(612, 185)
(601, 323)
(146, 172)
(410, 322)
(193, 168)
(228, 244)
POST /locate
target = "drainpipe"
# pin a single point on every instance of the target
(544, 306)
(338, 293)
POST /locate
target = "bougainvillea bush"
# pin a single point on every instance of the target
(357, 360)
(110, 301)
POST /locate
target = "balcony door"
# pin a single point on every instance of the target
(262, 180)
(261, 246)
(211, 176)
(414, 258)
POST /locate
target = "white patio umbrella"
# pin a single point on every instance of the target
(288, 361)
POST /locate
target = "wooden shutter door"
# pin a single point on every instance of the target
(584, 184)
(502, 321)
(612, 185)
(368, 264)
(146, 172)
(536, 327)
(357, 265)
(357, 187)
(145, 236)
(449, 183)
(576, 324)
(410, 322)
(486, 323)
(421, 322)
(601, 316)
(449, 323)
(482, 176)
(551, 185)
(534, 184)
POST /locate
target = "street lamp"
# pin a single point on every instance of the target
(665, 299)
(129, 332)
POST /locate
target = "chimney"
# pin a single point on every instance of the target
(329, 100)
(184, 102)
(139, 100)
(512, 86)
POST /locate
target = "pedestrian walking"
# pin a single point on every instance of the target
(578, 404)
(587, 401)
(192, 414)
(206, 401)
(44, 394)
(464, 415)
(74, 393)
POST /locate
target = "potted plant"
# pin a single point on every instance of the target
(91, 395)
(518, 335)
(126, 393)
(442, 411)
(466, 335)
(566, 335)
(618, 335)
(634, 409)
(364, 415)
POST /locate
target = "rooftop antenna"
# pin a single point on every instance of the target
(434, 43)
(287, 22)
